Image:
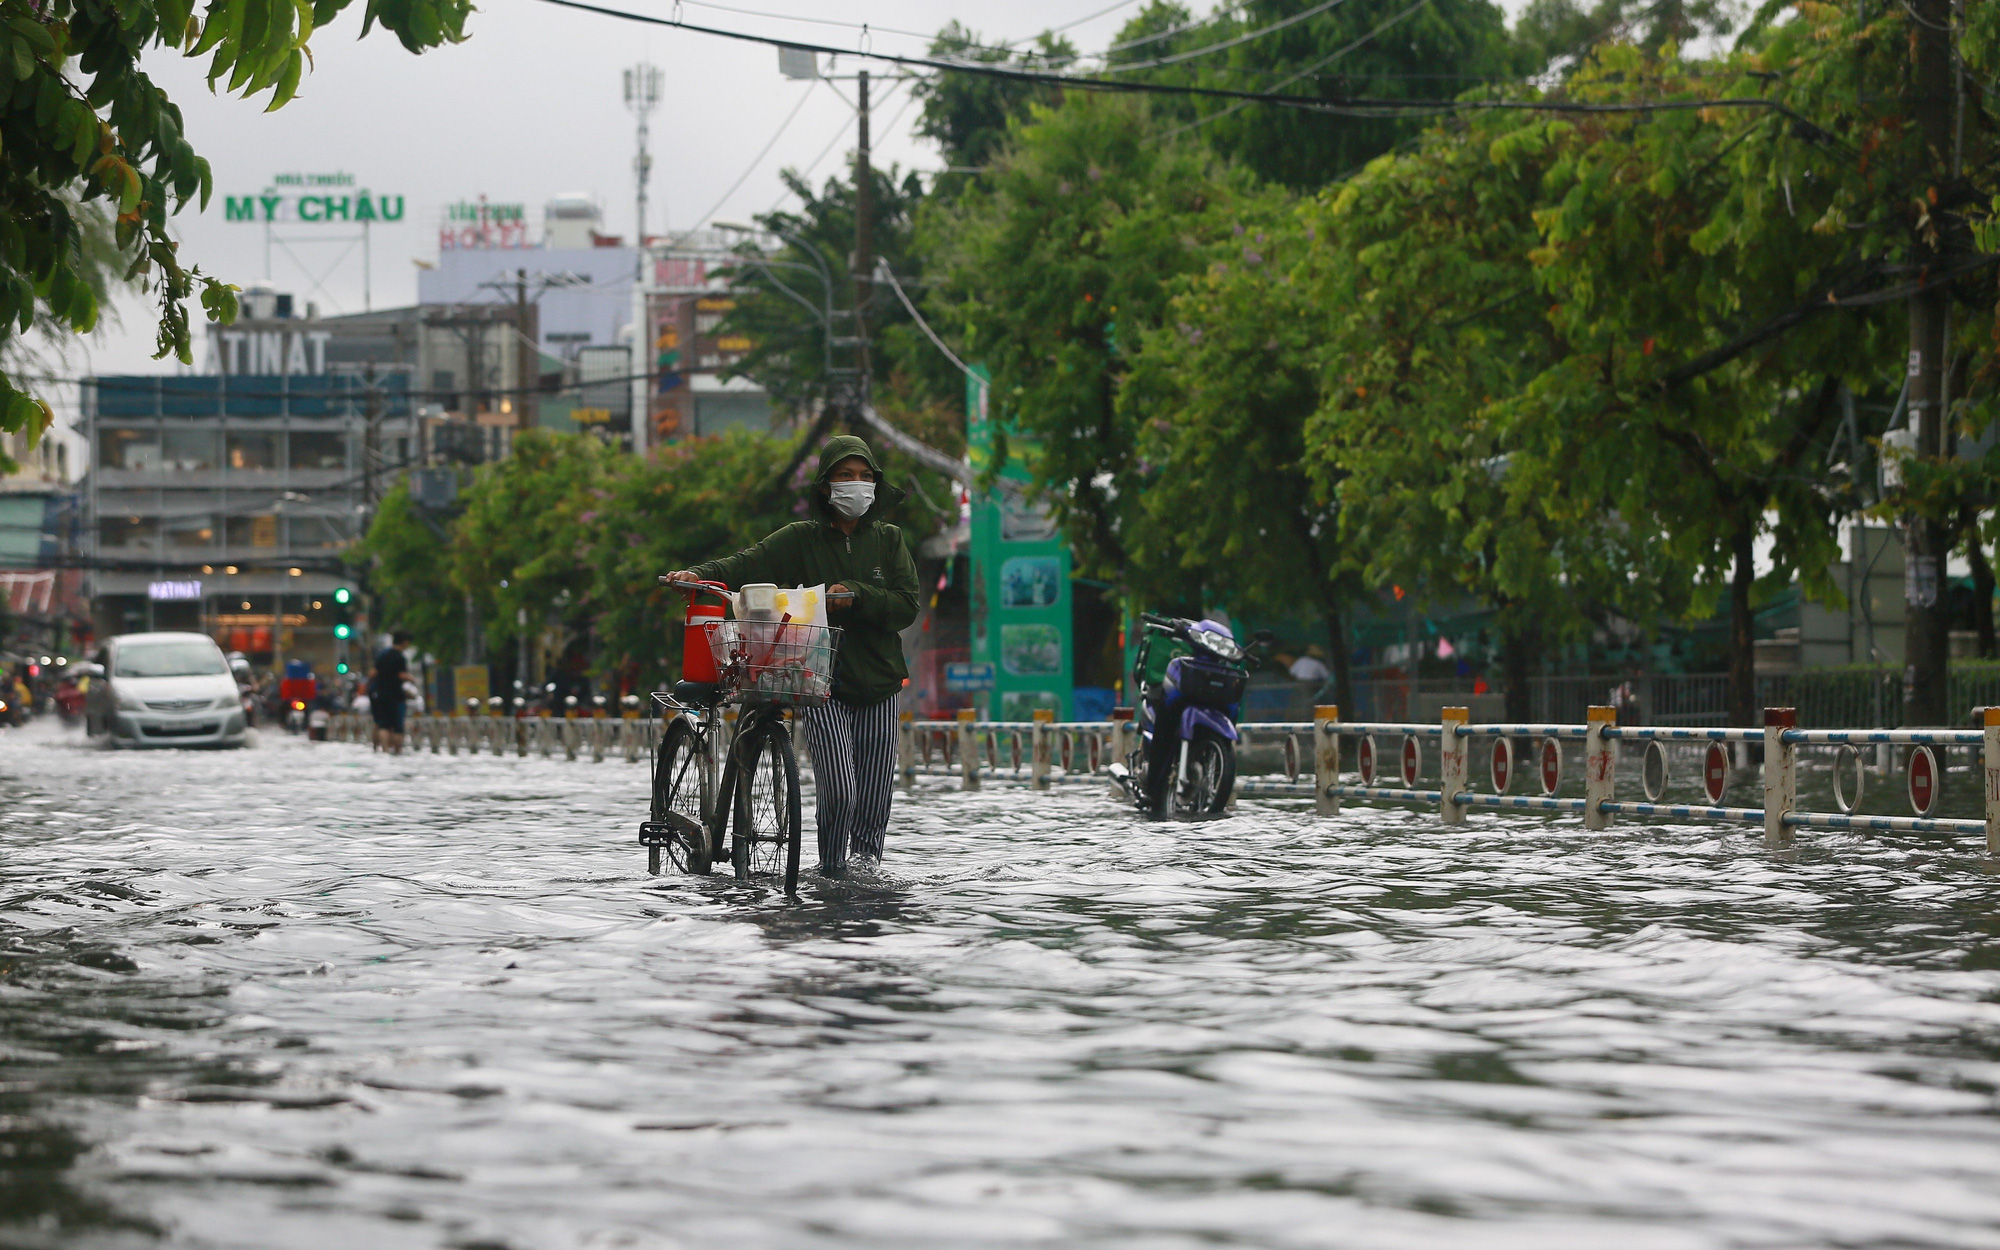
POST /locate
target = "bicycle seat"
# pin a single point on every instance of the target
(697, 693)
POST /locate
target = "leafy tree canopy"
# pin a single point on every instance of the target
(84, 130)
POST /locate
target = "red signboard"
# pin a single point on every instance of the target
(1715, 771)
(1552, 766)
(1366, 758)
(1412, 761)
(1503, 764)
(1923, 781)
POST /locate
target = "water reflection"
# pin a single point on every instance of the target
(311, 996)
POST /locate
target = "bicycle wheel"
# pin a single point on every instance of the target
(1211, 775)
(766, 842)
(680, 800)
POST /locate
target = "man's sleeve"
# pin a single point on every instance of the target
(894, 605)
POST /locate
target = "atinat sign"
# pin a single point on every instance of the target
(313, 198)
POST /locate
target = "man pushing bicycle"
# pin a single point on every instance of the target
(846, 546)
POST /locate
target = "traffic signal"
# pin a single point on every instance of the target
(342, 630)
(342, 596)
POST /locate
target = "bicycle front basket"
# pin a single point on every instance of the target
(775, 661)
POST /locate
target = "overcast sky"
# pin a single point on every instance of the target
(530, 107)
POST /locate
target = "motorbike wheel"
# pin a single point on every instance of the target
(1211, 775)
(1154, 779)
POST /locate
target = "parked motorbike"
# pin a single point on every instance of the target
(1189, 678)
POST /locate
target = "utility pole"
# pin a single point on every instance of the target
(1925, 625)
(642, 95)
(864, 242)
(524, 351)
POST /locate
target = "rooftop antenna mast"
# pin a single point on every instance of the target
(642, 95)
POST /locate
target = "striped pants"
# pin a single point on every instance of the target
(854, 775)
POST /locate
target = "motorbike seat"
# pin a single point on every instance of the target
(697, 693)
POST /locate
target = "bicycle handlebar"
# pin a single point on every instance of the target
(722, 588)
(695, 588)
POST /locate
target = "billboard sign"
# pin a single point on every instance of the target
(1021, 626)
(313, 199)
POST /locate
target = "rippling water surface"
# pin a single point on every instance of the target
(313, 997)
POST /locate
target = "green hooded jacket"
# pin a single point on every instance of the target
(872, 562)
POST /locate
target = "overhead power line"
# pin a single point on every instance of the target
(1351, 106)
(1314, 68)
(1226, 44)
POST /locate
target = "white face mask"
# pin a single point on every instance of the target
(851, 499)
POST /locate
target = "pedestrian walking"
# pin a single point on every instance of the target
(386, 700)
(847, 546)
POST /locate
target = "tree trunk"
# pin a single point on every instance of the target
(1520, 657)
(1342, 657)
(1982, 592)
(1742, 629)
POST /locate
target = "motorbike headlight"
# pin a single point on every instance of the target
(1221, 646)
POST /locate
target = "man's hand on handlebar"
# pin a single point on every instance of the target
(838, 596)
(680, 577)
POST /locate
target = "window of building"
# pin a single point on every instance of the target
(127, 531)
(253, 449)
(189, 531)
(314, 531)
(128, 449)
(190, 449)
(251, 531)
(315, 450)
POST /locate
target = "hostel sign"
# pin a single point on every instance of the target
(313, 198)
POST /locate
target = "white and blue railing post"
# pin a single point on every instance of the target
(1038, 748)
(1990, 765)
(1326, 759)
(1600, 767)
(906, 750)
(1781, 775)
(968, 758)
(1451, 765)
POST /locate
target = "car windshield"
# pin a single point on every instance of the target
(171, 659)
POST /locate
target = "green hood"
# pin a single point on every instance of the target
(837, 449)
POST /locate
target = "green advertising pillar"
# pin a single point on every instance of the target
(1020, 572)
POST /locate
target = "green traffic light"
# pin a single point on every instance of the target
(341, 667)
(342, 595)
(343, 630)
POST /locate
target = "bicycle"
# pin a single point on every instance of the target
(768, 668)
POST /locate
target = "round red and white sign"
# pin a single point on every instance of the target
(1365, 759)
(1503, 764)
(1413, 759)
(1715, 771)
(1552, 765)
(1924, 781)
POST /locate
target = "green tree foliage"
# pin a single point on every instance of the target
(693, 501)
(967, 115)
(1380, 49)
(1220, 396)
(405, 555)
(1428, 316)
(84, 130)
(782, 299)
(1055, 265)
(575, 536)
(522, 543)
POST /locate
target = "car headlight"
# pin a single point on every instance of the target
(131, 702)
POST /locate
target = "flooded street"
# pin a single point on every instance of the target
(312, 997)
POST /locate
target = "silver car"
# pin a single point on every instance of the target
(165, 690)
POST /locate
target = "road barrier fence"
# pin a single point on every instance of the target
(1044, 753)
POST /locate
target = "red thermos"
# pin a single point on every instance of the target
(697, 661)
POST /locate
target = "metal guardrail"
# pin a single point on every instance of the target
(632, 738)
(1044, 753)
